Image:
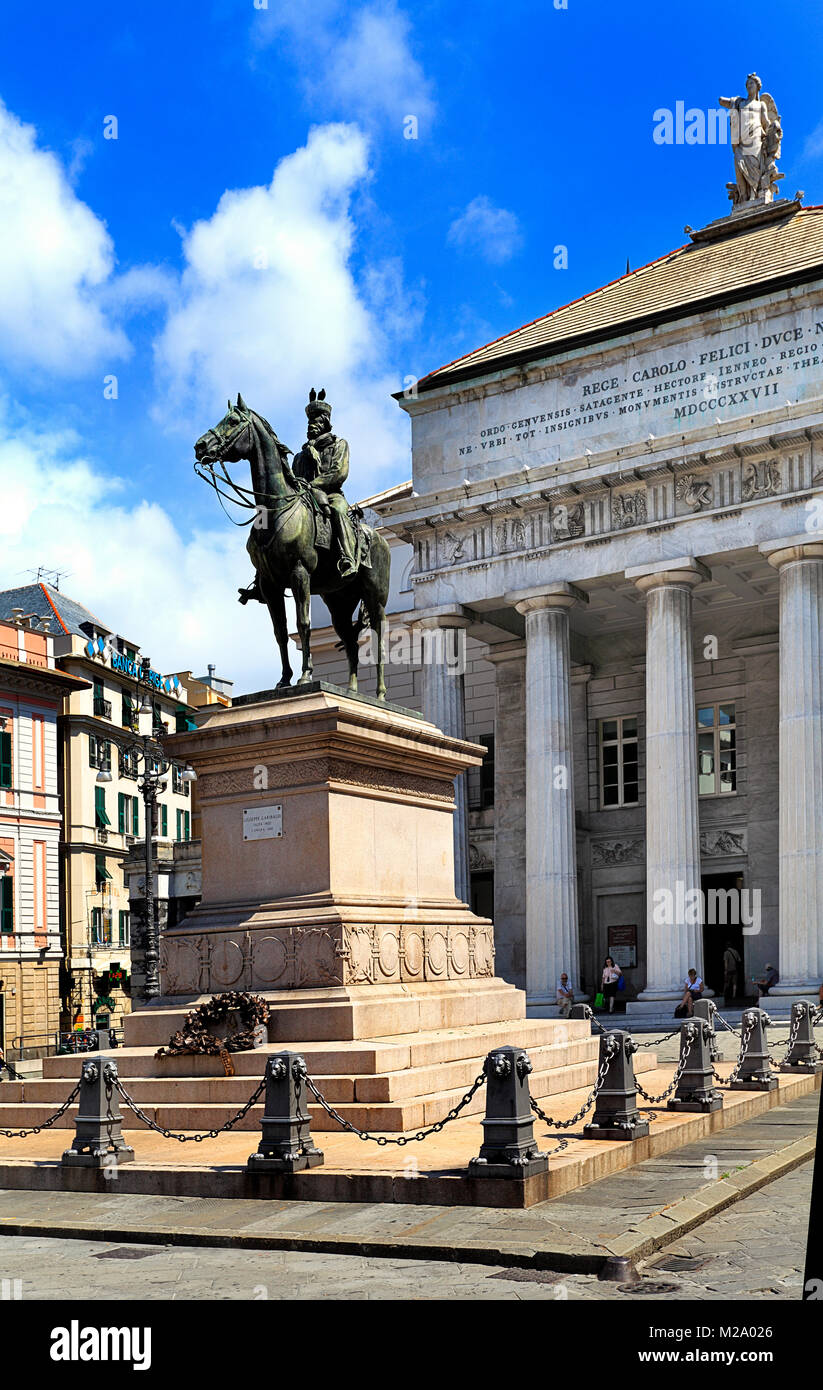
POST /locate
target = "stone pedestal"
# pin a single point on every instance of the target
(672, 833)
(328, 867)
(799, 561)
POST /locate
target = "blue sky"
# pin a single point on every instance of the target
(262, 224)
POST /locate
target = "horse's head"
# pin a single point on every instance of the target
(229, 440)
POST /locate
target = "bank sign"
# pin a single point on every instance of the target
(127, 666)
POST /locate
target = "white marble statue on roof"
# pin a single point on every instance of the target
(756, 134)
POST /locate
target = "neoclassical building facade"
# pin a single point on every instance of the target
(620, 509)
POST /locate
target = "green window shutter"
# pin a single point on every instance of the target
(186, 824)
(6, 905)
(164, 819)
(121, 813)
(178, 836)
(135, 816)
(100, 815)
(5, 759)
(92, 751)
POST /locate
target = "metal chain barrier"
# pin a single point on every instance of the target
(383, 1139)
(587, 1105)
(187, 1138)
(655, 1042)
(681, 1067)
(35, 1129)
(733, 1075)
(718, 1018)
(795, 1029)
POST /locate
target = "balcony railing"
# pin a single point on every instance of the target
(102, 707)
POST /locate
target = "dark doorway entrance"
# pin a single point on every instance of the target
(482, 894)
(717, 934)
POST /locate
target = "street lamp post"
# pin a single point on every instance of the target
(147, 750)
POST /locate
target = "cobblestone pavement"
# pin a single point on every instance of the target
(753, 1251)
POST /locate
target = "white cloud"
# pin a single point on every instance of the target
(269, 305)
(354, 61)
(494, 233)
(129, 564)
(813, 146)
(55, 256)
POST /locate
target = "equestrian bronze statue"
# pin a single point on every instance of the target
(304, 535)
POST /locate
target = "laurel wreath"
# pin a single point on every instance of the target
(195, 1037)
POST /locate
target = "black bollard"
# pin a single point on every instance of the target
(98, 1137)
(509, 1149)
(755, 1073)
(616, 1115)
(706, 1009)
(286, 1145)
(696, 1089)
(802, 1054)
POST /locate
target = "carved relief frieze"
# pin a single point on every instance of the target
(609, 852)
(629, 509)
(714, 844)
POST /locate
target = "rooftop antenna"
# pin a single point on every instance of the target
(51, 576)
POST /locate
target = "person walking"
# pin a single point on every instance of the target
(565, 996)
(609, 981)
(731, 971)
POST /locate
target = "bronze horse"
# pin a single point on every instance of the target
(283, 545)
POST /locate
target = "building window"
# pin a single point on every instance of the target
(183, 825)
(177, 783)
(716, 750)
(99, 749)
(487, 771)
(101, 873)
(6, 905)
(127, 764)
(124, 927)
(164, 819)
(617, 740)
(127, 814)
(129, 713)
(102, 707)
(100, 926)
(101, 819)
(5, 760)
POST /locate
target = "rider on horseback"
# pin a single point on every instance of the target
(323, 463)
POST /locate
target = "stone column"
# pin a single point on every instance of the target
(509, 661)
(799, 561)
(444, 704)
(674, 936)
(551, 857)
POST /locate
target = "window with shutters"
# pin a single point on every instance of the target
(5, 759)
(101, 819)
(6, 905)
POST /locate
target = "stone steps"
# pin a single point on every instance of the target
(187, 1104)
(380, 1011)
(409, 1084)
(372, 1058)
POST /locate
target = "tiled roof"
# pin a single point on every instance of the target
(64, 613)
(676, 284)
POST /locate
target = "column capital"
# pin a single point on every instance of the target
(793, 548)
(683, 572)
(557, 595)
(447, 615)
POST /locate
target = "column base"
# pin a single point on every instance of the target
(545, 1006)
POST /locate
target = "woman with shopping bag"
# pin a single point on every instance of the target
(610, 981)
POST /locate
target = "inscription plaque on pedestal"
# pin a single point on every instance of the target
(263, 823)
